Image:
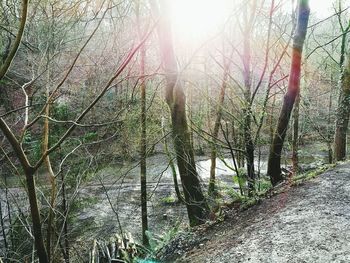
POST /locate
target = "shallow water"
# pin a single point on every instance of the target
(99, 218)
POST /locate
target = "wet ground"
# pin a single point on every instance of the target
(111, 200)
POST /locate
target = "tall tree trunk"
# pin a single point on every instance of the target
(171, 164)
(342, 114)
(65, 220)
(271, 122)
(274, 161)
(51, 217)
(143, 146)
(51, 174)
(35, 214)
(295, 143)
(29, 172)
(342, 119)
(197, 207)
(247, 113)
(329, 125)
(213, 154)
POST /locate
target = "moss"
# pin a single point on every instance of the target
(299, 179)
(168, 200)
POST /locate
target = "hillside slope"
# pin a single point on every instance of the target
(307, 223)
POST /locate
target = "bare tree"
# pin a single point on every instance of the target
(274, 161)
(197, 208)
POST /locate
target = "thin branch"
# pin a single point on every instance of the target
(10, 57)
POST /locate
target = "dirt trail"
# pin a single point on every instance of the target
(307, 223)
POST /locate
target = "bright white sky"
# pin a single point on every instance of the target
(321, 8)
(195, 20)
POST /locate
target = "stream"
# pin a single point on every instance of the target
(124, 194)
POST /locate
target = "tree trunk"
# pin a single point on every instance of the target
(51, 217)
(274, 161)
(197, 207)
(33, 203)
(35, 214)
(329, 125)
(343, 110)
(65, 220)
(211, 189)
(51, 174)
(4, 236)
(12, 52)
(172, 165)
(247, 114)
(143, 166)
(342, 114)
(295, 143)
(143, 146)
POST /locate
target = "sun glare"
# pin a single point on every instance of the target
(195, 19)
(321, 9)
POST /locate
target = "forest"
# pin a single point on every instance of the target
(127, 124)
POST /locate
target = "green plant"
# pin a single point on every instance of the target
(89, 137)
(156, 242)
(296, 180)
(264, 185)
(168, 200)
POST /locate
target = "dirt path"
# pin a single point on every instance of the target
(307, 223)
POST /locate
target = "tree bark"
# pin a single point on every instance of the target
(143, 146)
(12, 53)
(29, 174)
(274, 161)
(213, 154)
(342, 114)
(51, 217)
(35, 214)
(197, 207)
(342, 119)
(295, 143)
(180, 199)
(247, 113)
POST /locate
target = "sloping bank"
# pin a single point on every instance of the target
(306, 223)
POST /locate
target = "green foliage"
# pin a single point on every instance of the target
(85, 202)
(4, 82)
(156, 242)
(89, 137)
(60, 112)
(32, 145)
(236, 196)
(241, 179)
(299, 179)
(245, 201)
(264, 185)
(21, 240)
(27, 137)
(168, 200)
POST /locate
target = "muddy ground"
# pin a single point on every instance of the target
(305, 223)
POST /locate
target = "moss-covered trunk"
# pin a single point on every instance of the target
(342, 114)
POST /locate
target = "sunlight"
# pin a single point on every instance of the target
(321, 9)
(195, 19)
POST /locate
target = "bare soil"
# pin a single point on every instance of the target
(305, 223)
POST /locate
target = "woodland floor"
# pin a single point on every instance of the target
(305, 223)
